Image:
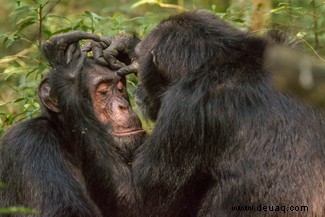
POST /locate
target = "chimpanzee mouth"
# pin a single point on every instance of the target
(129, 132)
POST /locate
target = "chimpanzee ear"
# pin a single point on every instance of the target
(154, 57)
(46, 95)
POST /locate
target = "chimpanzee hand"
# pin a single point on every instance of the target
(115, 52)
(63, 50)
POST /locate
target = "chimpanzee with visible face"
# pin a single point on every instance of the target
(224, 136)
(75, 159)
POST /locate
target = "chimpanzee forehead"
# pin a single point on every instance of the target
(92, 70)
(95, 78)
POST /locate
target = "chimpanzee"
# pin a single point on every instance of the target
(73, 160)
(225, 141)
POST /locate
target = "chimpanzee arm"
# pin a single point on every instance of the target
(66, 59)
(63, 51)
(40, 175)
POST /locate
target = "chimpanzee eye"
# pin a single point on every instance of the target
(103, 89)
(103, 92)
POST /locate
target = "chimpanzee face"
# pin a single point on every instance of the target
(110, 100)
(108, 96)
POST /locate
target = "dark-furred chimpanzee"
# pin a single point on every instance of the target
(225, 142)
(73, 160)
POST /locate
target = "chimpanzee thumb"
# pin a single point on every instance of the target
(129, 69)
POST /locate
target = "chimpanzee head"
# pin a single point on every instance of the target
(87, 103)
(99, 95)
(178, 46)
(187, 44)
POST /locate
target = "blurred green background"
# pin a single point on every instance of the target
(26, 23)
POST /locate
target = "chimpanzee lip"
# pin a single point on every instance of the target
(129, 132)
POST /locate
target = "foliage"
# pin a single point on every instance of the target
(159, 3)
(18, 210)
(22, 66)
(306, 20)
(24, 70)
(35, 21)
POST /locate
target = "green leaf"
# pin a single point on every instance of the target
(23, 23)
(2, 185)
(301, 35)
(40, 2)
(278, 9)
(23, 11)
(10, 118)
(10, 38)
(26, 106)
(238, 20)
(19, 99)
(142, 2)
(23, 20)
(9, 75)
(92, 15)
(22, 210)
(31, 71)
(36, 105)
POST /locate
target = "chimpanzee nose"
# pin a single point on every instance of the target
(123, 118)
(120, 105)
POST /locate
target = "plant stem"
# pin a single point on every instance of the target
(40, 24)
(181, 4)
(315, 19)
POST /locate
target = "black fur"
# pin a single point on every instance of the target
(66, 164)
(224, 136)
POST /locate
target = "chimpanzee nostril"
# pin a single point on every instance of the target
(122, 108)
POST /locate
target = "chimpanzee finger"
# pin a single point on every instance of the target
(57, 49)
(53, 53)
(97, 49)
(74, 36)
(110, 55)
(78, 64)
(72, 52)
(98, 55)
(62, 42)
(132, 68)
